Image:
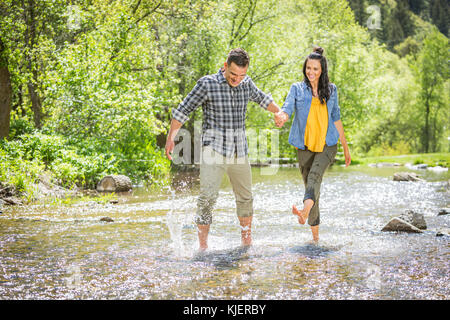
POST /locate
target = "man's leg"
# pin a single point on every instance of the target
(240, 175)
(211, 173)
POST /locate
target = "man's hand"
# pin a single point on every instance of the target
(170, 145)
(280, 118)
(175, 125)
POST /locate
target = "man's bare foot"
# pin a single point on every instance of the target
(202, 231)
(246, 231)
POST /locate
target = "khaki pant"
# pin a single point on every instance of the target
(312, 166)
(212, 167)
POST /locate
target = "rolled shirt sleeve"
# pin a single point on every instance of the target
(193, 100)
(258, 96)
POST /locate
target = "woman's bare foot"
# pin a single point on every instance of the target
(304, 213)
(299, 213)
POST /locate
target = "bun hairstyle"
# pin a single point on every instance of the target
(318, 50)
(324, 90)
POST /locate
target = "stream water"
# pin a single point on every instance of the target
(149, 251)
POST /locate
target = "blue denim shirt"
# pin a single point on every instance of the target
(299, 101)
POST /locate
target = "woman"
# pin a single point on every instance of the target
(315, 131)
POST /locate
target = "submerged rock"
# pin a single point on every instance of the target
(406, 176)
(443, 232)
(444, 212)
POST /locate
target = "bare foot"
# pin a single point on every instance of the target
(302, 216)
(304, 213)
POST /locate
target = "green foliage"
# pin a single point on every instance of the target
(107, 74)
(432, 70)
(34, 153)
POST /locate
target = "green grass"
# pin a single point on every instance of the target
(431, 159)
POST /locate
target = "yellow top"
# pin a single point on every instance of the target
(316, 126)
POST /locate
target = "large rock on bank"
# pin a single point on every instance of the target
(114, 183)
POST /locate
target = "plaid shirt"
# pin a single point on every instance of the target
(224, 109)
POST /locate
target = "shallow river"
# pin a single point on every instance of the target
(149, 251)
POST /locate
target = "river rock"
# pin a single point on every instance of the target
(114, 183)
(444, 212)
(443, 232)
(397, 224)
(106, 219)
(415, 218)
(384, 164)
(12, 201)
(406, 176)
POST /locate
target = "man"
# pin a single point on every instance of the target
(224, 97)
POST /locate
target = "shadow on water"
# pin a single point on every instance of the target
(313, 251)
(223, 259)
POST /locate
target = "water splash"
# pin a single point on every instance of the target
(176, 218)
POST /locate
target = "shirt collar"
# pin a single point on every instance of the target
(220, 76)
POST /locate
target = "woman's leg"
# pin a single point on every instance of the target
(305, 161)
(313, 180)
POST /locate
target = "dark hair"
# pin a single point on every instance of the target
(324, 83)
(239, 57)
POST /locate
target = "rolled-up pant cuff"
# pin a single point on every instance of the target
(309, 194)
(244, 208)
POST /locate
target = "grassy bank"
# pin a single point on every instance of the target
(430, 159)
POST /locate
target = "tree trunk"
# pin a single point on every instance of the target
(5, 94)
(427, 126)
(35, 104)
(30, 39)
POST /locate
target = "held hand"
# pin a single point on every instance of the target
(170, 145)
(280, 118)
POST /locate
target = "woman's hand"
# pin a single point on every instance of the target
(340, 129)
(348, 159)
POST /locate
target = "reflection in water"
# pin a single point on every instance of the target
(223, 259)
(150, 250)
(313, 251)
